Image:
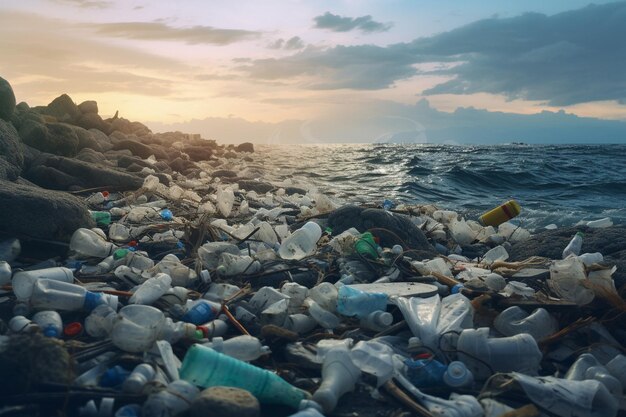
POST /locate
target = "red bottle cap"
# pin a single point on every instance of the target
(105, 194)
(73, 329)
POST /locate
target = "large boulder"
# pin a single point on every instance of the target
(103, 140)
(55, 138)
(11, 154)
(245, 147)
(86, 139)
(63, 109)
(391, 228)
(139, 149)
(198, 153)
(7, 100)
(259, 187)
(182, 165)
(88, 107)
(92, 121)
(38, 213)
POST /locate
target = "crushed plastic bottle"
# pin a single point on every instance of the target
(301, 243)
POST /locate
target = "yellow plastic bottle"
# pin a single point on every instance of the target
(501, 214)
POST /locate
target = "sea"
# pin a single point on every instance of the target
(554, 184)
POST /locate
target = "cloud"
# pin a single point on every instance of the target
(292, 44)
(338, 23)
(86, 4)
(569, 58)
(159, 31)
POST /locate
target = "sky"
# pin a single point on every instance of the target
(273, 71)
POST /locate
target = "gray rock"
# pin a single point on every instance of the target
(55, 138)
(91, 156)
(140, 149)
(86, 139)
(257, 186)
(224, 173)
(392, 228)
(39, 213)
(198, 153)
(93, 121)
(8, 171)
(245, 147)
(10, 151)
(63, 109)
(126, 161)
(89, 106)
(225, 402)
(7, 100)
(103, 140)
(182, 165)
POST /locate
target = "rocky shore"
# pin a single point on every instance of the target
(179, 249)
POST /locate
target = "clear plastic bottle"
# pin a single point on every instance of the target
(230, 265)
(58, 295)
(23, 281)
(245, 348)
(20, 324)
(540, 324)
(88, 243)
(215, 328)
(457, 375)
(301, 243)
(324, 318)
(50, 323)
(339, 376)
(377, 320)
(425, 372)
(151, 290)
(137, 327)
(119, 233)
(296, 293)
(574, 246)
(172, 331)
(205, 367)
(325, 294)
(352, 302)
(100, 322)
(5, 273)
(138, 378)
(617, 368)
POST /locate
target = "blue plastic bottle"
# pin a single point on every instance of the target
(201, 312)
(425, 373)
(356, 303)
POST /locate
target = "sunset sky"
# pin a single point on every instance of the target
(321, 67)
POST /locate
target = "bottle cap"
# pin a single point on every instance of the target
(73, 329)
(50, 331)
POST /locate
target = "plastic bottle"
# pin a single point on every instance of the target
(215, 328)
(296, 293)
(87, 243)
(540, 324)
(23, 281)
(324, 318)
(301, 243)
(172, 401)
(600, 223)
(617, 368)
(500, 214)
(151, 290)
(203, 366)
(307, 412)
(325, 294)
(50, 323)
(457, 375)
(377, 320)
(245, 348)
(591, 258)
(587, 366)
(574, 246)
(202, 311)
(231, 265)
(424, 373)
(20, 324)
(209, 253)
(100, 322)
(299, 323)
(58, 295)
(102, 218)
(136, 327)
(138, 378)
(352, 302)
(517, 353)
(113, 377)
(339, 376)
(366, 246)
(275, 314)
(5, 273)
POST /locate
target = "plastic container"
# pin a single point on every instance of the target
(500, 214)
(457, 375)
(102, 218)
(517, 353)
(325, 294)
(377, 321)
(567, 278)
(202, 311)
(296, 293)
(203, 366)
(424, 373)
(231, 265)
(299, 323)
(323, 317)
(591, 258)
(617, 368)
(275, 314)
(136, 327)
(23, 281)
(151, 290)
(600, 223)
(245, 348)
(339, 376)
(352, 302)
(215, 328)
(87, 243)
(138, 378)
(301, 243)
(172, 401)
(574, 246)
(50, 323)
(498, 253)
(58, 295)
(100, 322)
(5, 273)
(366, 246)
(20, 324)
(588, 367)
(540, 324)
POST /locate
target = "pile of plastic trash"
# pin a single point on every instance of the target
(201, 284)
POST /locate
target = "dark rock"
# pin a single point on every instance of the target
(89, 106)
(93, 121)
(91, 156)
(162, 166)
(134, 168)
(21, 115)
(63, 109)
(86, 139)
(224, 173)
(116, 136)
(38, 213)
(128, 127)
(392, 228)
(295, 190)
(7, 100)
(182, 165)
(10, 151)
(55, 138)
(245, 147)
(140, 149)
(257, 186)
(8, 171)
(230, 155)
(126, 161)
(198, 153)
(103, 140)
(225, 402)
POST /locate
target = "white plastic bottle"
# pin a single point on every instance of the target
(151, 290)
(23, 281)
(514, 320)
(574, 246)
(20, 324)
(138, 378)
(100, 322)
(617, 368)
(339, 376)
(5, 273)
(50, 323)
(301, 243)
(457, 375)
(324, 318)
(57, 295)
(377, 320)
(87, 243)
(137, 327)
(245, 348)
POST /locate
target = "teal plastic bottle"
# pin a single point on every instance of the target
(205, 367)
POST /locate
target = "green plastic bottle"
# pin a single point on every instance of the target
(205, 367)
(366, 246)
(102, 218)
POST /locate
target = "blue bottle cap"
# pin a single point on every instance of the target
(457, 288)
(51, 331)
(92, 300)
(166, 214)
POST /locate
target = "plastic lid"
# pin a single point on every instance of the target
(92, 300)
(51, 331)
(73, 329)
